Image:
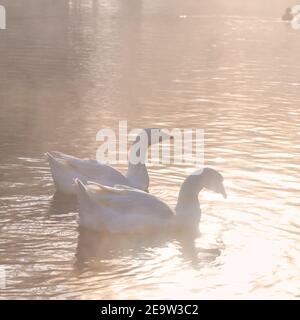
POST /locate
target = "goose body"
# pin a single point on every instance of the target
(122, 209)
(66, 168)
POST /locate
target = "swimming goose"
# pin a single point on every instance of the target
(66, 168)
(122, 209)
(288, 15)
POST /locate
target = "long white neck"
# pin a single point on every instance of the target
(137, 174)
(188, 207)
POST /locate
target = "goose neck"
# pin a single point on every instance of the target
(137, 175)
(189, 191)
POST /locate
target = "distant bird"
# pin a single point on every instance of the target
(288, 16)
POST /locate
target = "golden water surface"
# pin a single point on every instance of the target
(232, 68)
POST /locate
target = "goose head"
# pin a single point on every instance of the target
(288, 10)
(205, 178)
(151, 136)
(213, 180)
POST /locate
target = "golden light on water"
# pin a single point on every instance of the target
(70, 68)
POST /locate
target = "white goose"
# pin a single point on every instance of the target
(66, 168)
(122, 209)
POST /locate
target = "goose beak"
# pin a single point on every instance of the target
(219, 188)
(222, 191)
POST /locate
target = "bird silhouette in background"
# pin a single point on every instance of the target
(288, 16)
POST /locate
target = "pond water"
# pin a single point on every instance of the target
(70, 68)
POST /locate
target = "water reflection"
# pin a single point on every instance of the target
(70, 68)
(62, 204)
(105, 251)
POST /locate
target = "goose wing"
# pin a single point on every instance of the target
(127, 200)
(91, 169)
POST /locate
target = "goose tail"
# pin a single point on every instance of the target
(50, 157)
(61, 173)
(54, 166)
